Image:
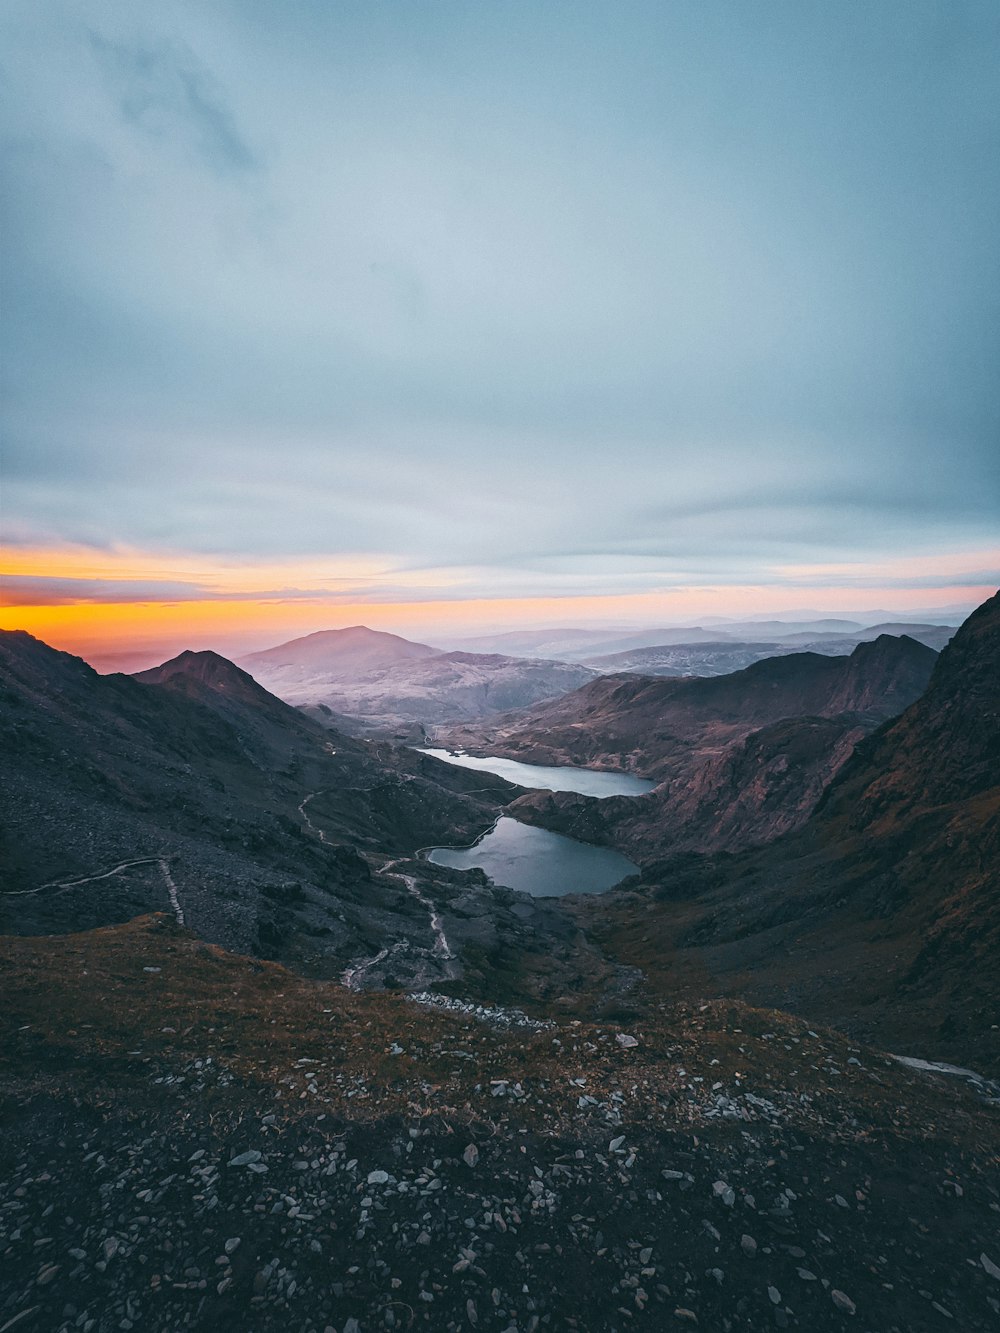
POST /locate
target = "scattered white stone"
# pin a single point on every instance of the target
(990, 1266)
(471, 1155)
(624, 1040)
(724, 1192)
(842, 1302)
(246, 1158)
(378, 1177)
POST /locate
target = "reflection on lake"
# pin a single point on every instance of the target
(586, 781)
(538, 862)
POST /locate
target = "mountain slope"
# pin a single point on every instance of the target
(194, 790)
(883, 911)
(230, 1147)
(347, 652)
(654, 726)
(389, 685)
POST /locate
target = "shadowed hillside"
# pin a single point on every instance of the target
(883, 911)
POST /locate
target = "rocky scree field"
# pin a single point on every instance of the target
(192, 1139)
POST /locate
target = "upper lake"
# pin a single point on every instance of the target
(586, 781)
(538, 862)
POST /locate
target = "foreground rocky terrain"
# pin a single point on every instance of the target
(460, 1108)
(192, 1139)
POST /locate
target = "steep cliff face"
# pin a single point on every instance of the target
(945, 747)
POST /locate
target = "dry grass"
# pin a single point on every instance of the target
(81, 1014)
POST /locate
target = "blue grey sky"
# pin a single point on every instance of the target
(506, 299)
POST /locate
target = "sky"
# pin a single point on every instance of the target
(441, 316)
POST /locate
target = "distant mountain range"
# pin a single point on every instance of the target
(602, 648)
(660, 727)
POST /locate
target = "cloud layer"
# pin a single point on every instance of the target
(504, 300)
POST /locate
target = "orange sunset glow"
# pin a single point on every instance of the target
(98, 603)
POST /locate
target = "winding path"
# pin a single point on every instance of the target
(64, 885)
(440, 950)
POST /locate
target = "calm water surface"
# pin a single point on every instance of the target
(586, 781)
(544, 864)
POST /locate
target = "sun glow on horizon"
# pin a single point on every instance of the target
(105, 602)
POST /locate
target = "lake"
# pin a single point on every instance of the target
(586, 781)
(535, 861)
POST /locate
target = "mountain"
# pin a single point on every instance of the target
(704, 650)
(742, 759)
(883, 911)
(194, 791)
(549, 643)
(339, 652)
(934, 636)
(388, 685)
(779, 629)
(656, 727)
(197, 1136)
(685, 659)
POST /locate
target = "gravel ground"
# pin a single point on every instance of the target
(192, 1140)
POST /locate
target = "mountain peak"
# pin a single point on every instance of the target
(356, 646)
(206, 667)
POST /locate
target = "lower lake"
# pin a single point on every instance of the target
(535, 861)
(586, 781)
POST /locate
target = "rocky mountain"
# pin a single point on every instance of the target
(194, 791)
(660, 728)
(387, 685)
(194, 1136)
(883, 910)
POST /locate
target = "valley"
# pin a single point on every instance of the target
(325, 994)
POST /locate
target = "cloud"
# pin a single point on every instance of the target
(520, 301)
(164, 91)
